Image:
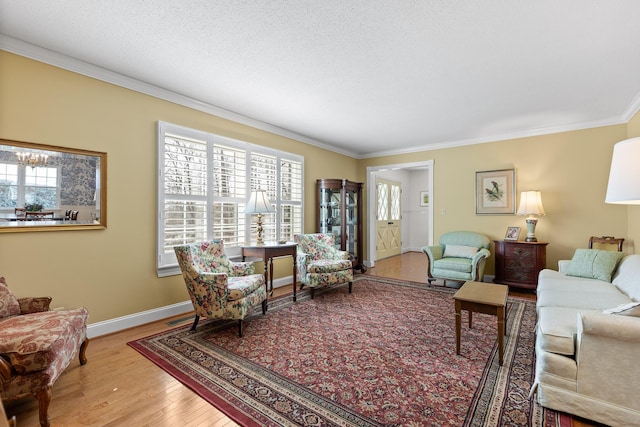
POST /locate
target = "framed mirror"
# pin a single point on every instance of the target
(49, 188)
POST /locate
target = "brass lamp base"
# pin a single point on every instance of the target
(259, 241)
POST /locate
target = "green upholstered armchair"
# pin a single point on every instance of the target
(460, 256)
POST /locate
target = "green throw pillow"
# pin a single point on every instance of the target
(594, 264)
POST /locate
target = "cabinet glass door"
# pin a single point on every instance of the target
(352, 237)
(330, 213)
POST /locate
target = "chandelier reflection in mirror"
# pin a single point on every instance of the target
(32, 159)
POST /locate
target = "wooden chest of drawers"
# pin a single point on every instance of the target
(518, 263)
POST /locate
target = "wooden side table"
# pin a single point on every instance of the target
(482, 298)
(518, 263)
(268, 251)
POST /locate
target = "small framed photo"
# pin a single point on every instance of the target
(512, 233)
(424, 198)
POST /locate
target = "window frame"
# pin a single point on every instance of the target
(22, 186)
(166, 263)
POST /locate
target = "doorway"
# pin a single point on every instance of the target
(416, 228)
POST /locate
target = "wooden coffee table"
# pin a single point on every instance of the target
(484, 298)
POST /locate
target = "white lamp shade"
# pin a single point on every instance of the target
(624, 175)
(530, 203)
(258, 203)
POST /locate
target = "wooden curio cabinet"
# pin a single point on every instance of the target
(340, 213)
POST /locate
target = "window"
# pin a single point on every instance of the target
(21, 185)
(203, 185)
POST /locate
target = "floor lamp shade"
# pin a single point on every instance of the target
(624, 175)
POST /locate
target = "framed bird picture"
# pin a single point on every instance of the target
(496, 192)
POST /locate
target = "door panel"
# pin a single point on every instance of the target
(389, 217)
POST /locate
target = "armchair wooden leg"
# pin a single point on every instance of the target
(82, 353)
(350, 286)
(240, 327)
(195, 323)
(44, 398)
(264, 307)
(312, 291)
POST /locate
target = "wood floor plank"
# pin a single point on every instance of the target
(119, 387)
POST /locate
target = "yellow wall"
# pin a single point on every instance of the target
(571, 170)
(112, 272)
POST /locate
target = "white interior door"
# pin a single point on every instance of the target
(388, 218)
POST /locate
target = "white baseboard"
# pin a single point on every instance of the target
(136, 319)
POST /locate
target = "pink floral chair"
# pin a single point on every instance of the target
(36, 345)
(220, 288)
(320, 264)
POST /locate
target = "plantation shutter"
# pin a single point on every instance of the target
(184, 211)
(204, 181)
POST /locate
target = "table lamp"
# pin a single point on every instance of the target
(531, 204)
(259, 204)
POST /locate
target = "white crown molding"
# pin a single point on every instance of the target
(56, 59)
(503, 137)
(50, 57)
(632, 109)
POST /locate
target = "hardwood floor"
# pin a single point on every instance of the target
(119, 387)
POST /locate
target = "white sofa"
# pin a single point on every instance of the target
(588, 362)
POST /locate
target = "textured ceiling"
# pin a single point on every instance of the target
(366, 76)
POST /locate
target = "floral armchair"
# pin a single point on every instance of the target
(460, 256)
(220, 288)
(320, 264)
(36, 346)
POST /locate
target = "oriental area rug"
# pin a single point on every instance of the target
(382, 355)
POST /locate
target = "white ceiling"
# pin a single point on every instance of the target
(366, 77)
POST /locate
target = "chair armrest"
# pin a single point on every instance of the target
(215, 282)
(433, 252)
(613, 326)
(6, 370)
(34, 304)
(302, 259)
(480, 255)
(607, 354)
(243, 268)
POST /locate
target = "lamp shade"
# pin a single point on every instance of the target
(258, 203)
(530, 203)
(624, 175)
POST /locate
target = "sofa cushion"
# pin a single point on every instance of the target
(588, 297)
(556, 329)
(33, 342)
(9, 305)
(328, 266)
(594, 264)
(551, 280)
(460, 251)
(461, 265)
(627, 276)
